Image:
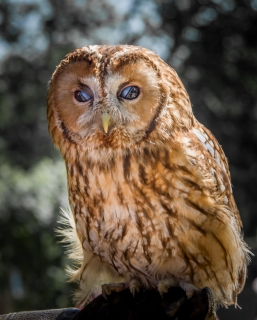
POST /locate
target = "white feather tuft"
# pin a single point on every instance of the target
(70, 238)
(87, 268)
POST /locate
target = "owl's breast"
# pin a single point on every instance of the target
(150, 215)
(132, 211)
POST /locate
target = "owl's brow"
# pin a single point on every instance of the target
(123, 85)
(84, 87)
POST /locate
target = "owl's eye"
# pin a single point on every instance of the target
(82, 96)
(130, 93)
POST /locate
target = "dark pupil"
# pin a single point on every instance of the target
(82, 96)
(133, 93)
(79, 96)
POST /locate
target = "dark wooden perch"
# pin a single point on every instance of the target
(145, 305)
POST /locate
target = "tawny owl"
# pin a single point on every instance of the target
(149, 186)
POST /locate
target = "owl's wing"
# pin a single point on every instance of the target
(211, 159)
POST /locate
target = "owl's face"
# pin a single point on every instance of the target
(108, 96)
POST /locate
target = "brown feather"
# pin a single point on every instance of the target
(151, 198)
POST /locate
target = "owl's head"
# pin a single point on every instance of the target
(114, 97)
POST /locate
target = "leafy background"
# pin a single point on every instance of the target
(213, 47)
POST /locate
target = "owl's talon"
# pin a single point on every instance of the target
(164, 285)
(135, 286)
(133, 291)
(105, 291)
(109, 288)
(189, 288)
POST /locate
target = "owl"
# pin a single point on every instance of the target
(149, 186)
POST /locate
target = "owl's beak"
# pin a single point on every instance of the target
(106, 120)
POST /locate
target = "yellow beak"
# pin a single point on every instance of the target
(106, 120)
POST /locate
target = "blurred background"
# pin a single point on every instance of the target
(213, 47)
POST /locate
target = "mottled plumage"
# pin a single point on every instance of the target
(149, 186)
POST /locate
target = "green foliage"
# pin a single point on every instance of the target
(39, 190)
(29, 202)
